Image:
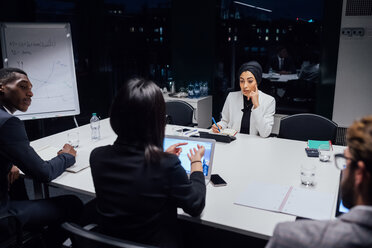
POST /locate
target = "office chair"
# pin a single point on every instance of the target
(83, 238)
(179, 113)
(12, 234)
(307, 126)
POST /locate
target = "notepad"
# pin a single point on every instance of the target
(316, 143)
(226, 131)
(82, 158)
(291, 200)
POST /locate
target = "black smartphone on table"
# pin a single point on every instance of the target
(217, 180)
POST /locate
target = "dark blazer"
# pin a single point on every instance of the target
(138, 201)
(288, 64)
(15, 149)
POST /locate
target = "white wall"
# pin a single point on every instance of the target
(353, 92)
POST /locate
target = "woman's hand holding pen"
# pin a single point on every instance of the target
(215, 128)
(175, 149)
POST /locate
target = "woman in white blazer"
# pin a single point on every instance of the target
(249, 110)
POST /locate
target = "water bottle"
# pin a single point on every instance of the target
(197, 90)
(271, 72)
(190, 89)
(94, 126)
(205, 89)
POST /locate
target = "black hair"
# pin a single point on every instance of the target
(7, 75)
(254, 67)
(137, 116)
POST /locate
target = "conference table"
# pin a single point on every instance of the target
(247, 159)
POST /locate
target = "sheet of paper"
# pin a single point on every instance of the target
(308, 203)
(304, 202)
(263, 196)
(47, 152)
(82, 161)
(82, 157)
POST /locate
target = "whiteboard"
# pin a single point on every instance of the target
(44, 52)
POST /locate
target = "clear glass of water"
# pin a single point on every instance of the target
(324, 153)
(308, 174)
(73, 139)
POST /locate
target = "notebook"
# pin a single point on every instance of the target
(297, 201)
(314, 144)
(207, 159)
(226, 131)
(82, 157)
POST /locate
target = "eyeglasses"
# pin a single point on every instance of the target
(340, 161)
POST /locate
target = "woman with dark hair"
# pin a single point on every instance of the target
(138, 185)
(249, 110)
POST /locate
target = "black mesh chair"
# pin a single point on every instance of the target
(12, 235)
(83, 238)
(307, 126)
(179, 113)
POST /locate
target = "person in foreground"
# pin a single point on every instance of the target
(353, 229)
(249, 110)
(16, 152)
(138, 185)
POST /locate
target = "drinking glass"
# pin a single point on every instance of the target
(308, 174)
(324, 152)
(73, 139)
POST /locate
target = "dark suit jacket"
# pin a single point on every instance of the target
(15, 149)
(288, 64)
(138, 201)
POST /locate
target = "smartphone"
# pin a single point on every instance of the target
(217, 180)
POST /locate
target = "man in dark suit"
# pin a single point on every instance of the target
(15, 150)
(353, 229)
(281, 62)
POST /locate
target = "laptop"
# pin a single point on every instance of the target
(340, 208)
(207, 159)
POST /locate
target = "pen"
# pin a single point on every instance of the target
(216, 124)
(191, 131)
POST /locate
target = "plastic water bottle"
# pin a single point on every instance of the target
(205, 89)
(190, 89)
(94, 126)
(271, 72)
(197, 90)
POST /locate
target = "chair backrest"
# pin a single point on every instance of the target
(179, 112)
(307, 126)
(82, 238)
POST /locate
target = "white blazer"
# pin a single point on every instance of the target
(262, 118)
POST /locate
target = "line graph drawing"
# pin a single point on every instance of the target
(44, 51)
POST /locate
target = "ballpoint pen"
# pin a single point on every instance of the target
(216, 124)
